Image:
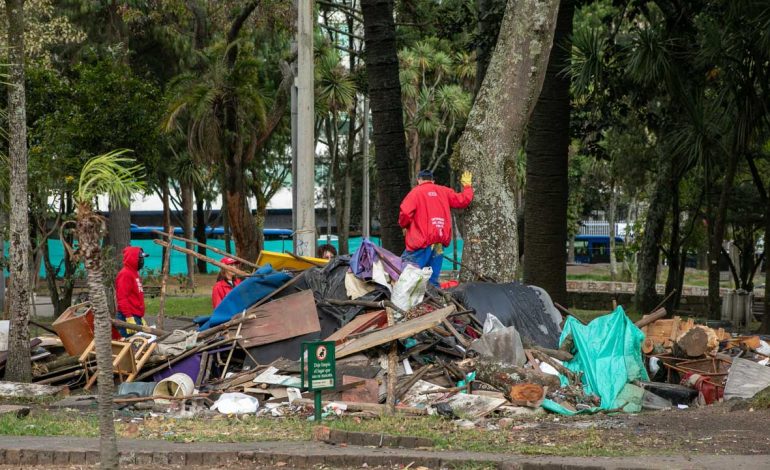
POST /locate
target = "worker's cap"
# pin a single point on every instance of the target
(425, 175)
(228, 261)
(142, 253)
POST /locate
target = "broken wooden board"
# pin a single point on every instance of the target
(15, 389)
(288, 317)
(366, 392)
(395, 332)
(271, 377)
(360, 324)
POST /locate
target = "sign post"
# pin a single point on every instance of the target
(318, 367)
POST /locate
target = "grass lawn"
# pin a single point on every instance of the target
(181, 306)
(445, 434)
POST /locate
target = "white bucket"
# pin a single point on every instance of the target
(178, 385)
(5, 325)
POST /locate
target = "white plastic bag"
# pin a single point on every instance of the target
(764, 348)
(235, 403)
(492, 324)
(410, 288)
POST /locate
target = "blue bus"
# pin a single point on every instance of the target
(591, 249)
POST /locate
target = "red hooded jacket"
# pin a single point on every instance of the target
(221, 289)
(128, 284)
(425, 214)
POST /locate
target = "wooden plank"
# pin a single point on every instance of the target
(360, 324)
(285, 318)
(395, 332)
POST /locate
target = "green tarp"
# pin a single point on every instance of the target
(608, 353)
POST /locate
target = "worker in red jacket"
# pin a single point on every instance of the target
(129, 292)
(226, 281)
(427, 220)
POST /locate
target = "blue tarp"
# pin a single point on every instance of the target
(608, 351)
(246, 294)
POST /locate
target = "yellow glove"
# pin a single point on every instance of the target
(466, 179)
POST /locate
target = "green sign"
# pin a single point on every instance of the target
(318, 365)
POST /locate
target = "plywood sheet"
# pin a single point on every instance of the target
(285, 318)
(361, 323)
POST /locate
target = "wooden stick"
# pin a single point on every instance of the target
(564, 311)
(46, 328)
(209, 247)
(230, 354)
(194, 253)
(392, 369)
(367, 304)
(224, 326)
(288, 284)
(142, 361)
(144, 329)
(663, 302)
(164, 278)
(651, 318)
(463, 341)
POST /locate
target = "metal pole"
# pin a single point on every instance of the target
(366, 226)
(305, 237)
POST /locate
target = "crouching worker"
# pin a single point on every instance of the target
(427, 221)
(129, 292)
(226, 281)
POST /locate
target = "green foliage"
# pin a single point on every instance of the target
(110, 174)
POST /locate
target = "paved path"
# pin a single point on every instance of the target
(60, 451)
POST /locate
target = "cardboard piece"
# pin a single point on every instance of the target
(368, 392)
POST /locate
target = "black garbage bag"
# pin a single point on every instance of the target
(527, 308)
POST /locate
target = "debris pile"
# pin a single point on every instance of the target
(401, 345)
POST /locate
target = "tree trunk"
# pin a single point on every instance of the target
(570, 250)
(646, 294)
(611, 216)
(200, 229)
(18, 368)
(242, 223)
(187, 218)
(165, 196)
(3, 223)
(547, 188)
(490, 15)
(119, 230)
(493, 137)
(385, 96)
(89, 228)
(765, 328)
(718, 235)
(674, 254)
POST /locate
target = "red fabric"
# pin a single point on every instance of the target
(425, 214)
(128, 285)
(221, 289)
(449, 284)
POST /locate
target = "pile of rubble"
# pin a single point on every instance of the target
(401, 345)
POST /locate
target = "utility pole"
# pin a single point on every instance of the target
(2, 254)
(304, 184)
(366, 226)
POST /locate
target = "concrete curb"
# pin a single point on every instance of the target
(60, 451)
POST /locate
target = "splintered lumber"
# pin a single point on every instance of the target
(197, 255)
(527, 394)
(16, 390)
(651, 318)
(395, 332)
(285, 318)
(371, 407)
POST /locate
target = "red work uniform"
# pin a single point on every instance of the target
(129, 292)
(221, 289)
(425, 214)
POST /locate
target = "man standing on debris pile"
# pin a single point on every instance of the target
(427, 221)
(226, 281)
(129, 291)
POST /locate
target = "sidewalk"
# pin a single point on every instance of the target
(30, 451)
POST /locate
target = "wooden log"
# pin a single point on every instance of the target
(504, 377)
(194, 253)
(568, 344)
(526, 394)
(562, 355)
(694, 343)
(542, 357)
(651, 318)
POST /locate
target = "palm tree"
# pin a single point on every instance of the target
(387, 116)
(547, 188)
(116, 176)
